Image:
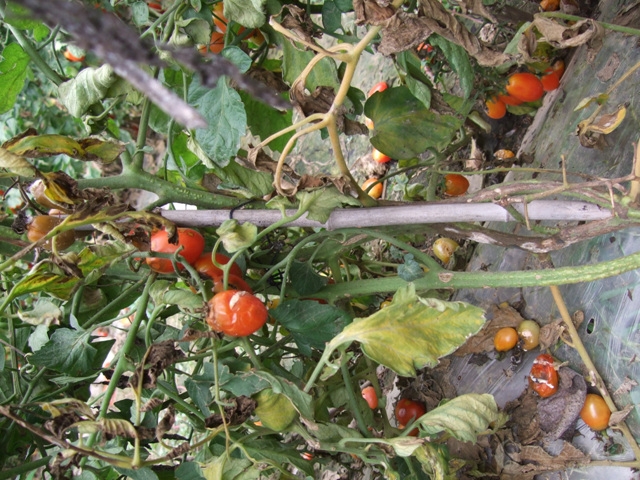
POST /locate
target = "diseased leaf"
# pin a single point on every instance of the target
(88, 87)
(463, 417)
(413, 332)
(321, 202)
(301, 400)
(235, 236)
(47, 145)
(16, 164)
(404, 128)
(311, 324)
(13, 72)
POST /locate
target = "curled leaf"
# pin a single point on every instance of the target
(16, 164)
(235, 236)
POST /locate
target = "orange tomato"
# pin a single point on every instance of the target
(376, 191)
(496, 108)
(380, 157)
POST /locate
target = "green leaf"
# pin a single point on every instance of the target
(189, 471)
(413, 332)
(419, 90)
(311, 324)
(235, 236)
(249, 13)
(331, 16)
(458, 58)
(245, 383)
(264, 121)
(144, 473)
(227, 120)
(321, 202)
(344, 5)
(278, 454)
(140, 12)
(236, 56)
(200, 393)
(463, 417)
(13, 72)
(294, 61)
(404, 128)
(68, 351)
(410, 270)
(90, 86)
(306, 281)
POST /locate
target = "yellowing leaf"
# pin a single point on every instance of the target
(16, 164)
(413, 332)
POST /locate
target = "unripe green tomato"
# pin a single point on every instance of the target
(529, 333)
(274, 410)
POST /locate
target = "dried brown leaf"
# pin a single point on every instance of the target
(59, 425)
(296, 20)
(561, 36)
(620, 415)
(371, 12)
(627, 385)
(166, 423)
(235, 414)
(558, 413)
(158, 357)
(550, 333)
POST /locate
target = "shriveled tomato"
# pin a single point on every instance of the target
(369, 395)
(204, 265)
(496, 108)
(543, 378)
(191, 241)
(380, 157)
(408, 410)
(378, 87)
(525, 86)
(42, 225)
(505, 339)
(376, 191)
(595, 412)
(455, 184)
(236, 313)
(444, 248)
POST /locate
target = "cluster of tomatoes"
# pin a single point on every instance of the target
(216, 43)
(406, 410)
(377, 189)
(527, 333)
(236, 311)
(523, 87)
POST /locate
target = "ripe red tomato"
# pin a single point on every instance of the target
(43, 224)
(595, 412)
(509, 100)
(444, 248)
(215, 45)
(204, 265)
(376, 191)
(455, 184)
(236, 313)
(525, 86)
(369, 394)
(558, 67)
(378, 87)
(505, 339)
(407, 410)
(496, 108)
(71, 57)
(234, 282)
(155, 6)
(188, 238)
(543, 378)
(550, 81)
(379, 157)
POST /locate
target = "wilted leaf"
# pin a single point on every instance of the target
(301, 400)
(321, 202)
(16, 164)
(413, 332)
(274, 410)
(88, 87)
(463, 417)
(235, 236)
(249, 13)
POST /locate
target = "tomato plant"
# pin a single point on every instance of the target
(529, 333)
(380, 157)
(236, 313)
(43, 224)
(525, 86)
(595, 412)
(407, 410)
(543, 378)
(369, 395)
(455, 184)
(204, 265)
(374, 192)
(496, 108)
(191, 242)
(505, 339)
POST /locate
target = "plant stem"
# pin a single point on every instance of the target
(353, 401)
(15, 472)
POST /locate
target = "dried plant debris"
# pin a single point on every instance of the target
(558, 413)
(236, 414)
(158, 357)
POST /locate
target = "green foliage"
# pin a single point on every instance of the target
(13, 72)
